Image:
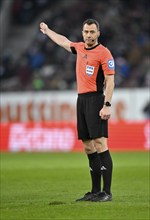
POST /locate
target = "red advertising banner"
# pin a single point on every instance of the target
(62, 136)
(129, 136)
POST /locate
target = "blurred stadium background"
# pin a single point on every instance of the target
(37, 78)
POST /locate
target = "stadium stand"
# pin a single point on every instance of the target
(30, 61)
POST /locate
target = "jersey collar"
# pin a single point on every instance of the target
(91, 48)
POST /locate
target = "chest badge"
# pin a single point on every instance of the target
(89, 70)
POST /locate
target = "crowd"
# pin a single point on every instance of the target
(124, 27)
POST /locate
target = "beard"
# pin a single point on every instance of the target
(90, 42)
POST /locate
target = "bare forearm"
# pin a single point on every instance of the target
(109, 88)
(57, 38)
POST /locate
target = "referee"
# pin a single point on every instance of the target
(95, 75)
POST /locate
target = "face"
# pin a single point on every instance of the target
(90, 35)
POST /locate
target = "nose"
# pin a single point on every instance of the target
(88, 34)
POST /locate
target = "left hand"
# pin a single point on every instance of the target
(105, 113)
(43, 27)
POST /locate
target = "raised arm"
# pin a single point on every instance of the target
(57, 38)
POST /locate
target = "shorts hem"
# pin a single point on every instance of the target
(91, 138)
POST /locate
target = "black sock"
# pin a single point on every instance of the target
(95, 171)
(106, 169)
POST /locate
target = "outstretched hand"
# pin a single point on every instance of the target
(43, 27)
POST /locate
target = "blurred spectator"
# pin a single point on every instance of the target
(36, 58)
(7, 69)
(37, 82)
(24, 72)
(25, 11)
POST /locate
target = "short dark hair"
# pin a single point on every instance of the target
(90, 21)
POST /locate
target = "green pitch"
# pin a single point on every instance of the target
(44, 186)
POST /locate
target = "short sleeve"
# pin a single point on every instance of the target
(73, 47)
(107, 62)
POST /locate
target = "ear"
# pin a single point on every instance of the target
(98, 33)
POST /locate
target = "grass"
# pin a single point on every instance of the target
(44, 186)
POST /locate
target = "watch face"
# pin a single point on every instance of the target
(107, 104)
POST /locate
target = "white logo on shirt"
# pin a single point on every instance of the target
(89, 70)
(111, 64)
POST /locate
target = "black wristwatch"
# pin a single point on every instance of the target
(107, 104)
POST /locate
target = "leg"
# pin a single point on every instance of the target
(101, 144)
(106, 162)
(95, 170)
(89, 146)
(94, 164)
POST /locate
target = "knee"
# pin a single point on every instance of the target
(89, 147)
(101, 144)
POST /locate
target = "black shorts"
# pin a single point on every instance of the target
(89, 123)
